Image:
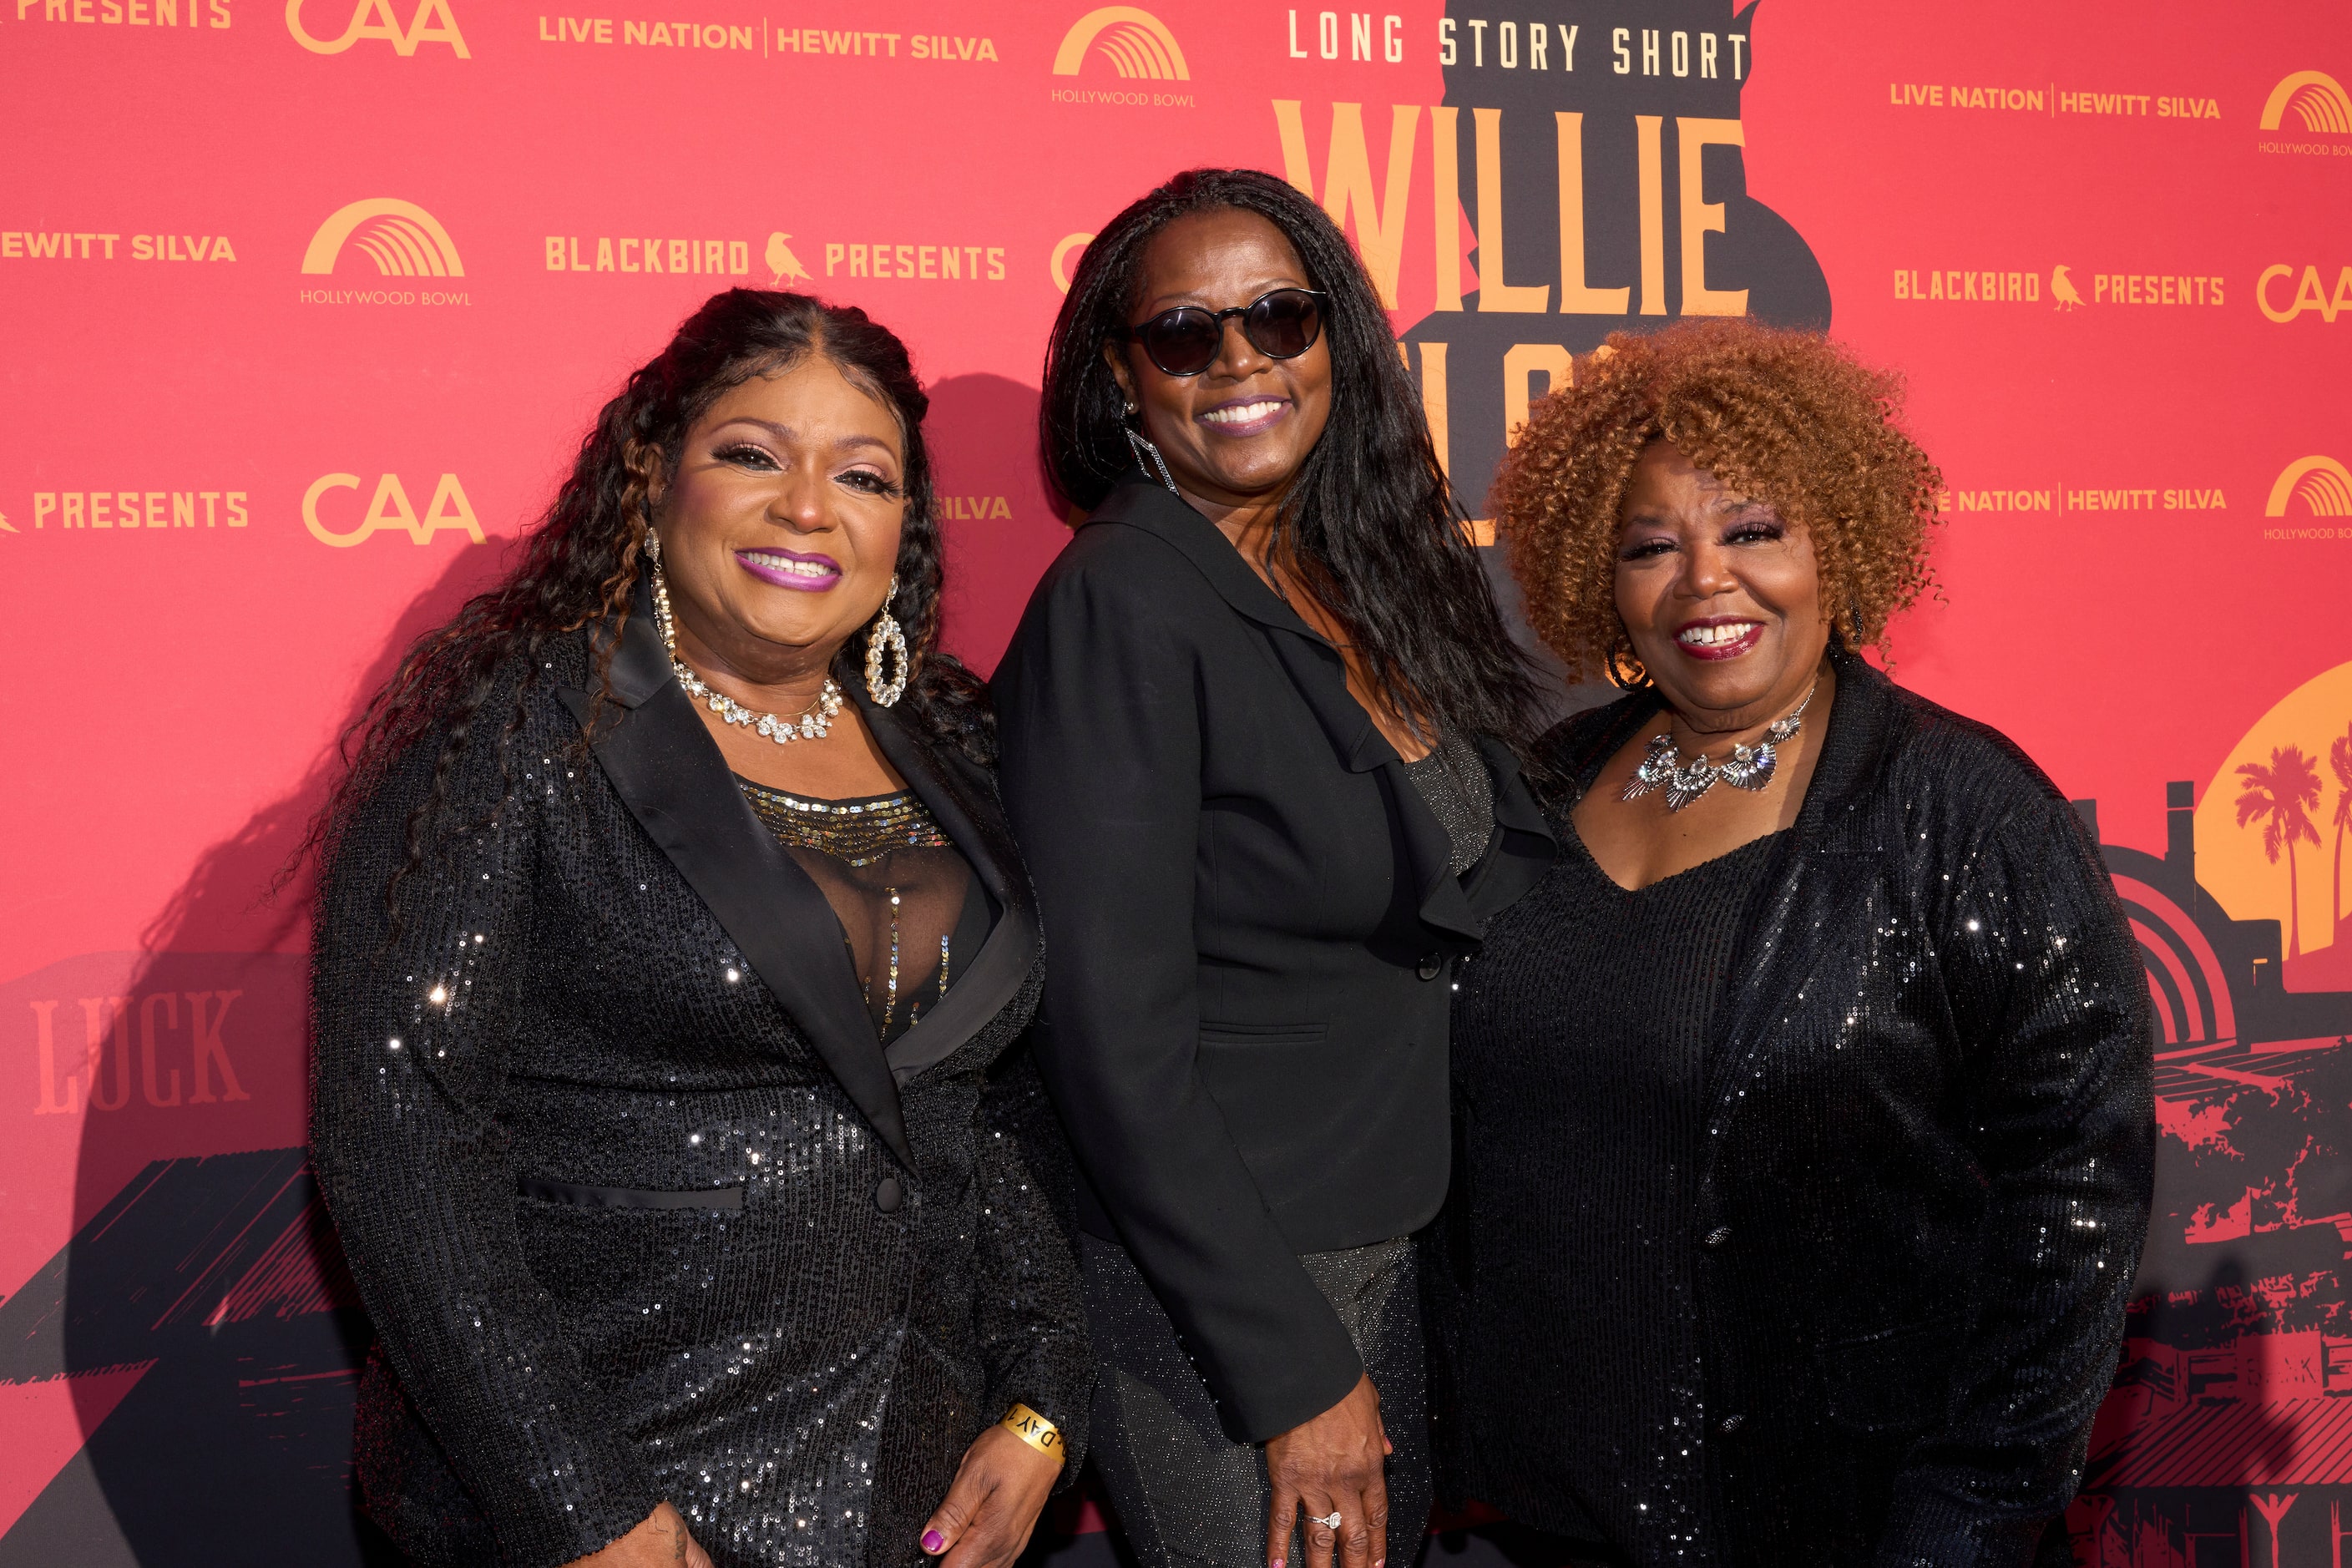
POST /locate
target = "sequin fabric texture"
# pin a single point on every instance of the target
(739, 1300)
(1187, 1495)
(1453, 781)
(1596, 1071)
(1920, 1189)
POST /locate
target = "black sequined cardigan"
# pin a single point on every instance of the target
(1930, 1139)
(639, 1208)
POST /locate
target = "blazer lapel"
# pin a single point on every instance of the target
(1806, 892)
(1524, 846)
(1321, 676)
(960, 800)
(669, 773)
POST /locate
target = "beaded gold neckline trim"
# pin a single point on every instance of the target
(858, 832)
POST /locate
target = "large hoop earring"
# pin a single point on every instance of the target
(1625, 671)
(1145, 453)
(886, 636)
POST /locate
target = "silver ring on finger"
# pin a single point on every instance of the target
(1327, 1521)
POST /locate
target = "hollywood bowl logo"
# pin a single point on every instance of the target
(2318, 99)
(1137, 43)
(2321, 483)
(402, 239)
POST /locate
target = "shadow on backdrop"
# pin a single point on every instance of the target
(202, 1312)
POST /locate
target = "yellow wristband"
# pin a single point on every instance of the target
(1034, 1430)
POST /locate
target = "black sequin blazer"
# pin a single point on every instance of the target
(637, 1204)
(1930, 1144)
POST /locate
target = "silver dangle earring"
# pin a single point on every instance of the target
(1140, 445)
(653, 548)
(886, 635)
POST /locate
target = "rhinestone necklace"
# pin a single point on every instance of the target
(1750, 767)
(809, 724)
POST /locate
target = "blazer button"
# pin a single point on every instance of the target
(888, 1196)
(1716, 1237)
(1729, 1426)
(1432, 965)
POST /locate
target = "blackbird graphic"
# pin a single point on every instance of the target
(2061, 290)
(786, 267)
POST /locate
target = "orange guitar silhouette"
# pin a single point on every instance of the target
(2062, 287)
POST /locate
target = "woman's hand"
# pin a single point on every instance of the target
(992, 1506)
(660, 1540)
(1332, 1464)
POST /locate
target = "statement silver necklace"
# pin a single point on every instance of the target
(811, 723)
(1750, 767)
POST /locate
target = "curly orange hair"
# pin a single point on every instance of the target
(1786, 418)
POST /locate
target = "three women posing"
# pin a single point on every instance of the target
(679, 1088)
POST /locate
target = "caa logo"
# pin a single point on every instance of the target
(401, 237)
(1136, 42)
(2309, 295)
(2317, 97)
(430, 23)
(448, 509)
(2321, 484)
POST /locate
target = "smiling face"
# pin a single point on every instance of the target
(1236, 434)
(1722, 598)
(780, 530)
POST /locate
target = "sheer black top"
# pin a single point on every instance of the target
(908, 902)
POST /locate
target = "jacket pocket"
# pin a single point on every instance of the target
(574, 1194)
(1895, 1380)
(1263, 1033)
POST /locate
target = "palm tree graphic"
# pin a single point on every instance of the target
(2062, 292)
(2283, 794)
(2339, 758)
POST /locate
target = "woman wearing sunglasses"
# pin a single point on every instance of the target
(1258, 730)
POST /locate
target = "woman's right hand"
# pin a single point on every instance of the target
(1332, 1464)
(659, 1541)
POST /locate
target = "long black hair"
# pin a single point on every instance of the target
(579, 565)
(1369, 524)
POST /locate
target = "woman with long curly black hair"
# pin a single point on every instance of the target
(1259, 728)
(670, 963)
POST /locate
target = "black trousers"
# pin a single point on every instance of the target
(1187, 1495)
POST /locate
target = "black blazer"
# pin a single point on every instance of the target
(638, 1204)
(1252, 924)
(1930, 1147)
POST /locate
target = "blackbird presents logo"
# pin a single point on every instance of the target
(2318, 99)
(2321, 483)
(1136, 42)
(391, 508)
(430, 22)
(402, 239)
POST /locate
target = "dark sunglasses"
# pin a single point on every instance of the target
(1282, 324)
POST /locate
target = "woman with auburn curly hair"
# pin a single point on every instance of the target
(672, 969)
(1804, 1121)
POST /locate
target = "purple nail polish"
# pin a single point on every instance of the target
(933, 1541)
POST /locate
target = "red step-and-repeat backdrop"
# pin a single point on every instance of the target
(305, 301)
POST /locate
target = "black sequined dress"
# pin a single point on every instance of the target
(1841, 1144)
(640, 1200)
(1594, 1072)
